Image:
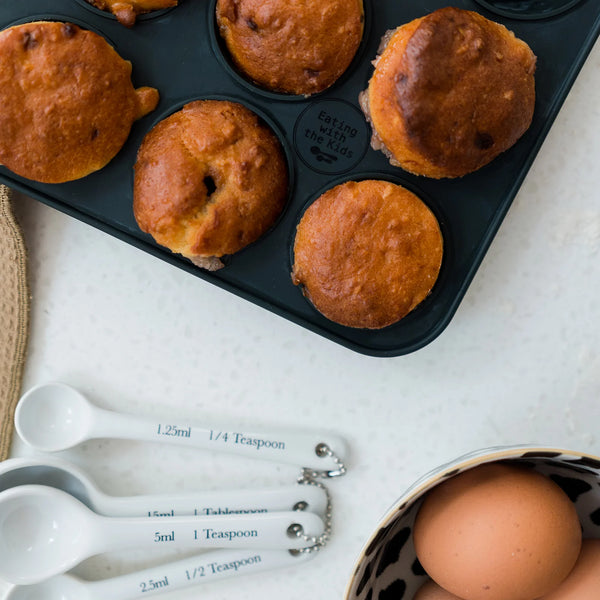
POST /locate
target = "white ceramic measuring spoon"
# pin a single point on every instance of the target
(45, 532)
(54, 416)
(63, 475)
(169, 577)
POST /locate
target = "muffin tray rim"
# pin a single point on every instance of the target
(365, 342)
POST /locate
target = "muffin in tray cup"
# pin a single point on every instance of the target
(210, 179)
(290, 47)
(127, 12)
(367, 253)
(450, 92)
(68, 101)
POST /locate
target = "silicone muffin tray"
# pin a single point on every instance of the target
(326, 139)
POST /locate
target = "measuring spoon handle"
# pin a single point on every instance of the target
(292, 447)
(217, 502)
(265, 531)
(204, 568)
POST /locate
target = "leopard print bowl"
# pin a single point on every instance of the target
(388, 569)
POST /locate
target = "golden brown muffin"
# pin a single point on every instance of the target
(367, 253)
(291, 46)
(127, 11)
(450, 92)
(67, 101)
(209, 180)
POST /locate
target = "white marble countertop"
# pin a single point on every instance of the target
(520, 361)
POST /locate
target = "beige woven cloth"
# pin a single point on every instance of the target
(14, 317)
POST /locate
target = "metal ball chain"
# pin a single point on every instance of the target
(310, 477)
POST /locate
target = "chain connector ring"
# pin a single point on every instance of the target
(311, 477)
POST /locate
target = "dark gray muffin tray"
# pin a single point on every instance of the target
(326, 140)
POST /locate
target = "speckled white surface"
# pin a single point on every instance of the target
(518, 363)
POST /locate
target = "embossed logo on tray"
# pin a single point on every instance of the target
(331, 136)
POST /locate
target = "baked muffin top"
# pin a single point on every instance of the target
(450, 92)
(67, 101)
(209, 179)
(291, 46)
(367, 253)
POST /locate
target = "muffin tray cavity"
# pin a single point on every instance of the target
(326, 140)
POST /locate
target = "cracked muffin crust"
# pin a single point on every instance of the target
(209, 180)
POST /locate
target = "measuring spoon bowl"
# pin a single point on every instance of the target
(203, 568)
(54, 416)
(60, 587)
(45, 532)
(61, 474)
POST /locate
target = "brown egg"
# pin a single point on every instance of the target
(497, 532)
(432, 591)
(583, 582)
